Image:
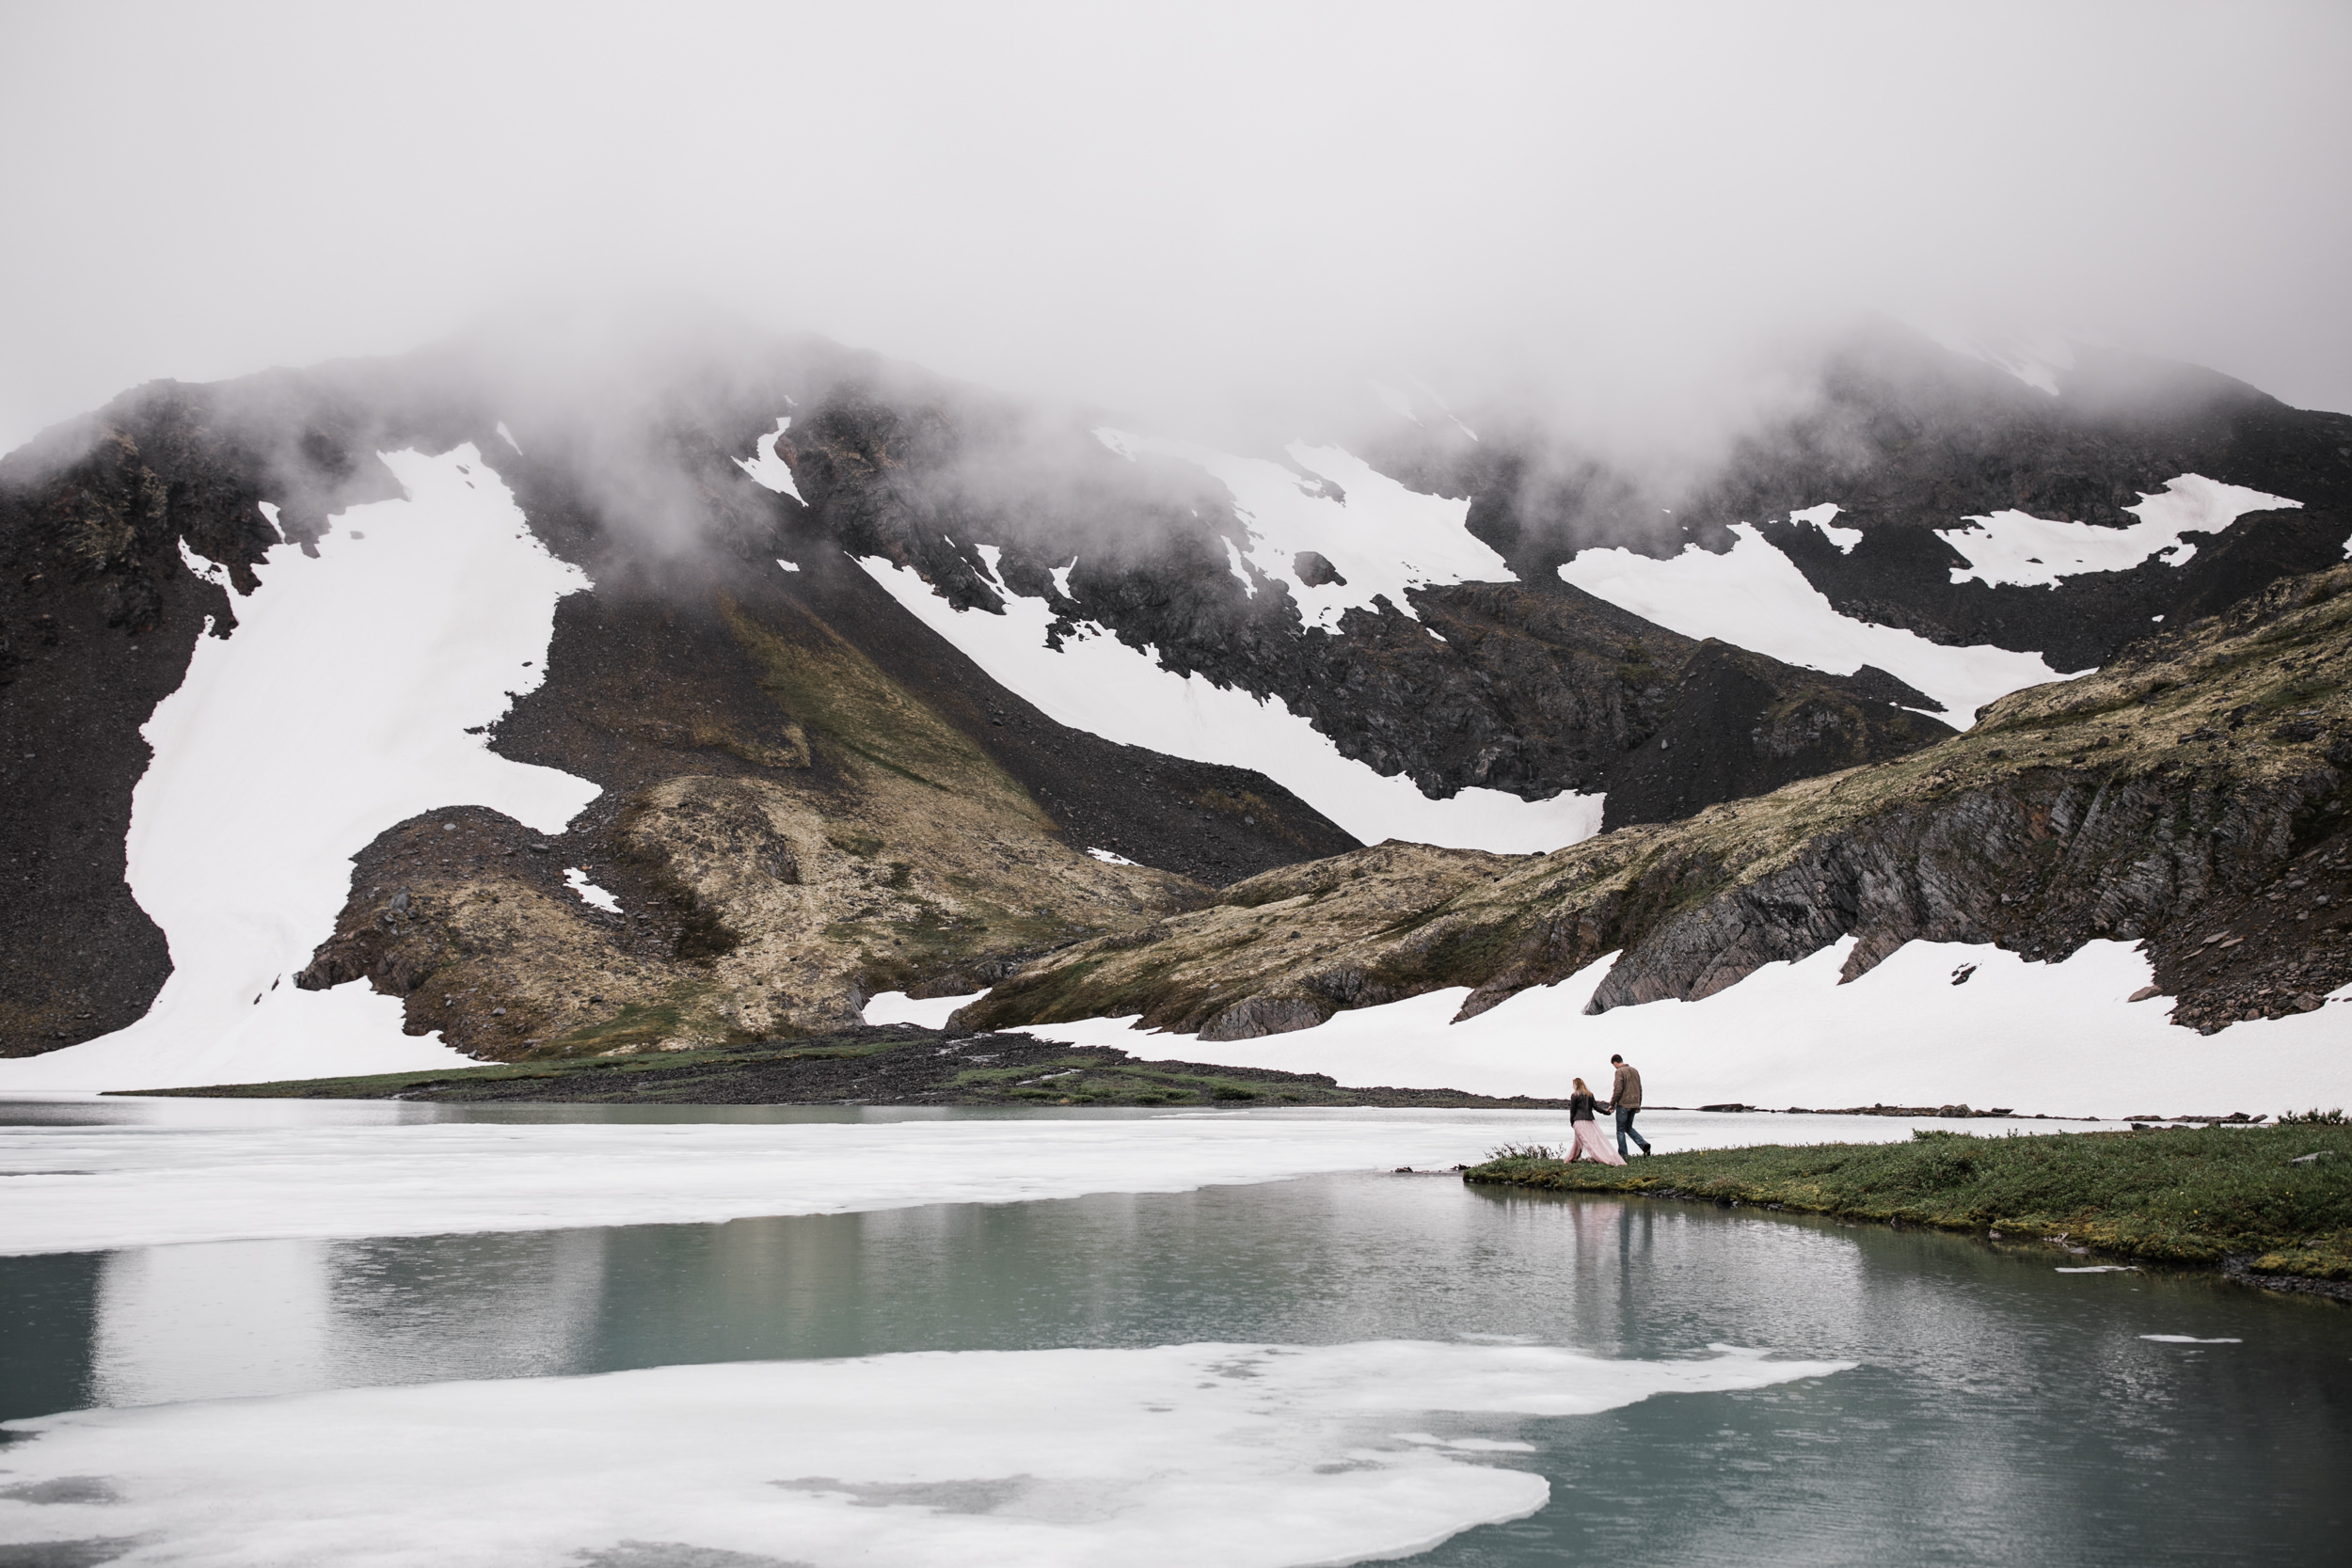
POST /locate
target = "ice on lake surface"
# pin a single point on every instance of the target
(95, 1174)
(1211, 1366)
(1237, 1454)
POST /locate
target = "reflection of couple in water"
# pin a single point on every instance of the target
(1625, 1095)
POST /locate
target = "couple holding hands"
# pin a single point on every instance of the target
(1625, 1095)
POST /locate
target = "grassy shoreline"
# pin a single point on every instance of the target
(2236, 1198)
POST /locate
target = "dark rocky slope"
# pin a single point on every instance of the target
(2191, 796)
(1537, 687)
(1908, 437)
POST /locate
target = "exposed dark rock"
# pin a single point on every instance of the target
(1536, 689)
(895, 1064)
(2069, 815)
(1314, 569)
(1907, 439)
(1264, 1015)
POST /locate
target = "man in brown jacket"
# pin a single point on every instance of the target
(1625, 1094)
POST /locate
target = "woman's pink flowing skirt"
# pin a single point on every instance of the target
(1589, 1146)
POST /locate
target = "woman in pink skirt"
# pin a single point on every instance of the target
(1588, 1144)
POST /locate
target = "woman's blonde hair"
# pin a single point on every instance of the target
(1579, 1087)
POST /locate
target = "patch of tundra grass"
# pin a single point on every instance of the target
(2173, 1195)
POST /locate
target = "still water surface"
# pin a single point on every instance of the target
(1999, 1411)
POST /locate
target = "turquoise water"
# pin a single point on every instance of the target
(2000, 1411)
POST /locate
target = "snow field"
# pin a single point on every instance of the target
(1821, 517)
(1753, 597)
(1241, 1455)
(2017, 547)
(591, 894)
(2057, 1039)
(931, 1012)
(1098, 683)
(769, 470)
(338, 708)
(1382, 537)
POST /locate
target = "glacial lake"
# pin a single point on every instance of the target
(1969, 1404)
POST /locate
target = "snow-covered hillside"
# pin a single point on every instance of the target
(1937, 1023)
(1753, 596)
(1096, 683)
(2016, 547)
(352, 696)
(1381, 537)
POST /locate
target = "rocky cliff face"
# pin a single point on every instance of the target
(2192, 796)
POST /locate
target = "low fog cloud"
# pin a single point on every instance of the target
(1203, 215)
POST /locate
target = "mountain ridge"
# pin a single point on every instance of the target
(133, 532)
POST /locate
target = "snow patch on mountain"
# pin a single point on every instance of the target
(1753, 597)
(1382, 537)
(340, 707)
(2037, 358)
(1098, 683)
(2055, 1038)
(1819, 516)
(2014, 547)
(931, 1012)
(768, 469)
(591, 894)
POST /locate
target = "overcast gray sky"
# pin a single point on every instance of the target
(1157, 206)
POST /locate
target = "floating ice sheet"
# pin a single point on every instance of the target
(2054, 1038)
(341, 706)
(1242, 1455)
(239, 1170)
(1753, 595)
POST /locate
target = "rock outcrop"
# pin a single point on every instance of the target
(2191, 796)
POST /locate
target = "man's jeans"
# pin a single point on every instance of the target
(1625, 1130)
